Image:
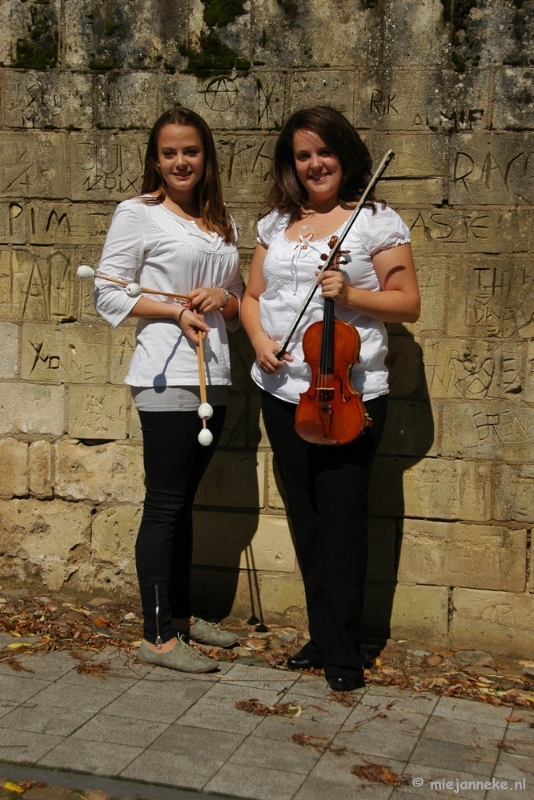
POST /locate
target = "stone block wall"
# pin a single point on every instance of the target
(448, 84)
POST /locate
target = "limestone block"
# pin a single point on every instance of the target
(13, 468)
(107, 166)
(514, 495)
(141, 34)
(251, 101)
(40, 469)
(28, 32)
(106, 472)
(420, 613)
(431, 277)
(324, 87)
(496, 621)
(282, 594)
(242, 357)
(275, 487)
(405, 364)
(235, 425)
(382, 559)
(455, 554)
(46, 535)
(491, 296)
(97, 412)
(488, 430)
(127, 100)
(30, 408)
(48, 100)
(417, 174)
(134, 431)
(529, 386)
(12, 223)
(243, 541)
(33, 164)
(414, 32)
(465, 230)
(410, 428)
(114, 531)
(244, 162)
(219, 593)
(246, 218)
(512, 109)
(475, 369)
(69, 223)
(422, 100)
(37, 283)
(257, 432)
(491, 168)
(430, 488)
(233, 479)
(66, 353)
(122, 347)
(9, 351)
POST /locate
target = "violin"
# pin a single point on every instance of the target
(331, 411)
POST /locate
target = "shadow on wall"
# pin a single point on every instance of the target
(408, 437)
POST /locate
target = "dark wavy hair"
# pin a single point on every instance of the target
(287, 193)
(213, 212)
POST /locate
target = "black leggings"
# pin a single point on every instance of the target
(174, 465)
(327, 488)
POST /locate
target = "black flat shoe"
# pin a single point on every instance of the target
(301, 662)
(341, 684)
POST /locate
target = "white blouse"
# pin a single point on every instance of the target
(149, 245)
(289, 270)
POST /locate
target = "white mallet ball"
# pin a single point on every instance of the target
(205, 437)
(133, 290)
(205, 411)
(85, 271)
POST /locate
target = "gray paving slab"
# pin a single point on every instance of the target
(389, 744)
(180, 770)
(219, 715)
(119, 683)
(120, 730)
(317, 686)
(244, 691)
(337, 765)
(463, 732)
(13, 687)
(367, 718)
(66, 695)
(7, 706)
(25, 745)
(45, 719)
(162, 674)
(515, 766)
(193, 741)
(434, 780)
(472, 711)
(275, 754)
(46, 666)
(262, 677)
(412, 703)
(331, 711)
(99, 758)
(150, 701)
(330, 789)
(259, 783)
(450, 755)
(285, 727)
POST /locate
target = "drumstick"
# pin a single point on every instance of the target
(132, 289)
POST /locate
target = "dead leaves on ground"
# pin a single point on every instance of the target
(378, 773)
(253, 706)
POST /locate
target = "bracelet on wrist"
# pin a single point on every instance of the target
(228, 298)
(181, 314)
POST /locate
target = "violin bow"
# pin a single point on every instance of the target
(331, 258)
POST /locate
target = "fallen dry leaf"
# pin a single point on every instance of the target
(253, 706)
(377, 773)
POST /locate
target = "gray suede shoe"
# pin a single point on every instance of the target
(208, 633)
(182, 658)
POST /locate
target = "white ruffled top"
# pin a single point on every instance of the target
(149, 245)
(289, 270)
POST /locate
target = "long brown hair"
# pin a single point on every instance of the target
(213, 212)
(287, 193)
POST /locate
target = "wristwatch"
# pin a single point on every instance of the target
(227, 295)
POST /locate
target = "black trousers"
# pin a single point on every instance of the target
(327, 491)
(174, 465)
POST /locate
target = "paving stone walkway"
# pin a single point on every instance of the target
(151, 725)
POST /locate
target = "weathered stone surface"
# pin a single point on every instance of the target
(48, 100)
(9, 351)
(382, 558)
(463, 229)
(514, 495)
(432, 278)
(492, 431)
(114, 530)
(243, 541)
(474, 369)
(33, 164)
(274, 486)
(529, 386)
(324, 87)
(245, 489)
(491, 168)
(106, 472)
(66, 353)
(405, 364)
(420, 610)
(29, 32)
(454, 554)
(97, 412)
(242, 357)
(492, 296)
(498, 621)
(31, 408)
(127, 100)
(13, 468)
(430, 488)
(283, 595)
(410, 428)
(107, 166)
(12, 223)
(47, 535)
(235, 425)
(244, 162)
(40, 469)
(68, 223)
(219, 593)
(122, 347)
(246, 218)
(513, 108)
